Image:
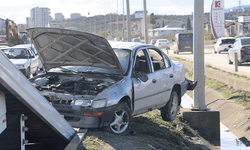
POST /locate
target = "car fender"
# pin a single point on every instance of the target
(117, 91)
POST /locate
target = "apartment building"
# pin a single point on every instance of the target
(59, 16)
(40, 17)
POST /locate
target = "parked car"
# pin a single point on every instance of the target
(162, 43)
(153, 41)
(32, 47)
(24, 59)
(242, 48)
(183, 42)
(94, 83)
(222, 44)
(136, 40)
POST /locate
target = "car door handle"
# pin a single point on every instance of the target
(153, 81)
(171, 75)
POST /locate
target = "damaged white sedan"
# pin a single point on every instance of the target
(94, 83)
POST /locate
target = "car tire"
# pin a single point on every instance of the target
(215, 51)
(177, 52)
(229, 61)
(169, 111)
(174, 52)
(28, 73)
(121, 120)
(36, 72)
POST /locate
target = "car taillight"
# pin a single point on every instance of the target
(220, 44)
(243, 50)
(159, 44)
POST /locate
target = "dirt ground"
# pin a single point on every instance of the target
(147, 132)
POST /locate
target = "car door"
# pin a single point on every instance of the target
(32, 61)
(146, 94)
(164, 74)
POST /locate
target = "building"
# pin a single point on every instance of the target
(165, 31)
(59, 16)
(2, 23)
(75, 16)
(40, 17)
(28, 21)
(173, 24)
(56, 24)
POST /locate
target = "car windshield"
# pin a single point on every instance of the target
(17, 53)
(163, 40)
(228, 41)
(122, 55)
(245, 41)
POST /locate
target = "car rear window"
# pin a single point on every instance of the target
(227, 41)
(245, 41)
(163, 40)
(186, 37)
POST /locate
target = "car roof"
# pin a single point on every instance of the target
(127, 45)
(227, 38)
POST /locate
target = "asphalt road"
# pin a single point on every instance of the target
(215, 60)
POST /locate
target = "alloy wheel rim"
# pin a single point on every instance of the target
(174, 106)
(121, 121)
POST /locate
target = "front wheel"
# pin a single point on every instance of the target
(121, 120)
(169, 111)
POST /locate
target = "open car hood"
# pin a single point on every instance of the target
(62, 47)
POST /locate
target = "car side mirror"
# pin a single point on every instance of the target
(31, 56)
(229, 46)
(214, 42)
(173, 40)
(142, 76)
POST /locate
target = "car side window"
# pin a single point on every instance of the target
(142, 62)
(157, 59)
(235, 44)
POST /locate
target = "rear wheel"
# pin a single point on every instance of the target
(121, 120)
(177, 52)
(36, 72)
(169, 111)
(28, 73)
(229, 61)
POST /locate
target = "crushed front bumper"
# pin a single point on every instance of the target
(76, 115)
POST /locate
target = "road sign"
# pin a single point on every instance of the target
(217, 18)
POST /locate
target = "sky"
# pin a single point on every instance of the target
(18, 10)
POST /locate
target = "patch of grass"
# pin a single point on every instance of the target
(92, 143)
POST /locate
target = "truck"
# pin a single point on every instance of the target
(27, 119)
(12, 36)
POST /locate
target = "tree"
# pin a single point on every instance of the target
(188, 24)
(152, 20)
(163, 24)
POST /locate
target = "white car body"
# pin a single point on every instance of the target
(32, 47)
(162, 43)
(27, 65)
(222, 44)
(92, 79)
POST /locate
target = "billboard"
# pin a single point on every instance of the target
(217, 18)
(139, 14)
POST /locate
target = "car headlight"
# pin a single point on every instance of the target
(99, 103)
(82, 102)
(20, 66)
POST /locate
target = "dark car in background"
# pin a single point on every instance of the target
(183, 42)
(242, 48)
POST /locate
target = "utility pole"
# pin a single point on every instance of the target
(199, 91)
(128, 22)
(117, 22)
(123, 23)
(145, 23)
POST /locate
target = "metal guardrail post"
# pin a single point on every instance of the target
(236, 61)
